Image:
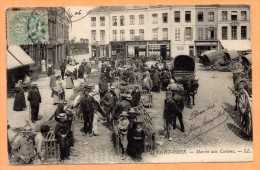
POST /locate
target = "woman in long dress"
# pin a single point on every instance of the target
(69, 80)
(59, 93)
(19, 100)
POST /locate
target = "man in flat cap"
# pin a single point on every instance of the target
(123, 105)
(109, 101)
(39, 139)
(87, 106)
(23, 149)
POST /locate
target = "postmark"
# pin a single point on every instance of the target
(27, 27)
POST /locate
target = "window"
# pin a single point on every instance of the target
(102, 50)
(122, 34)
(177, 16)
(155, 34)
(200, 33)
(165, 33)
(114, 35)
(93, 21)
(243, 15)
(141, 34)
(114, 20)
(141, 19)
(122, 20)
(177, 34)
(132, 34)
(224, 15)
(224, 33)
(155, 18)
(243, 32)
(187, 16)
(233, 15)
(165, 17)
(102, 21)
(211, 33)
(132, 19)
(188, 33)
(211, 16)
(93, 35)
(102, 35)
(234, 32)
(200, 16)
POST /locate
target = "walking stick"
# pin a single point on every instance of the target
(30, 117)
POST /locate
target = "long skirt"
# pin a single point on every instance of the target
(19, 101)
(58, 97)
(69, 83)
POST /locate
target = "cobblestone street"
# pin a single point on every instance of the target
(210, 123)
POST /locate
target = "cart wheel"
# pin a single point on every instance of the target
(245, 111)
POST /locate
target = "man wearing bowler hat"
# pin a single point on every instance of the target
(34, 97)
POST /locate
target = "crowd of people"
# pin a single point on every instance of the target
(115, 104)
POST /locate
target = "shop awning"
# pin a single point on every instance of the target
(19, 53)
(12, 62)
(238, 45)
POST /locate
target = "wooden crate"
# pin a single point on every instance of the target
(146, 99)
(52, 147)
(150, 143)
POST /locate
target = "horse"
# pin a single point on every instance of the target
(190, 87)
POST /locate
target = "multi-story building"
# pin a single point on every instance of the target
(53, 52)
(182, 29)
(234, 27)
(149, 31)
(206, 19)
(99, 34)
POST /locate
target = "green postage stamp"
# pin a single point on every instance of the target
(27, 27)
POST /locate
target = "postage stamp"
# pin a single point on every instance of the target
(27, 27)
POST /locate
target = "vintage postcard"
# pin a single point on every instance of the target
(129, 84)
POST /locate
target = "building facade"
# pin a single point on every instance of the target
(55, 51)
(234, 29)
(206, 19)
(151, 31)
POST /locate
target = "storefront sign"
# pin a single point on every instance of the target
(206, 43)
(136, 43)
(160, 42)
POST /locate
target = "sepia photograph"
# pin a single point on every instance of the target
(129, 84)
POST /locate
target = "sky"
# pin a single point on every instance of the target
(80, 27)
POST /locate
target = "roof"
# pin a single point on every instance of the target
(16, 57)
(117, 8)
(12, 62)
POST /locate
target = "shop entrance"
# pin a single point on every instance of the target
(163, 52)
(137, 52)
